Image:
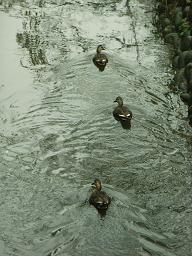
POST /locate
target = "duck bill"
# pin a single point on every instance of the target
(114, 101)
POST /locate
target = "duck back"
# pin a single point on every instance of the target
(124, 115)
(100, 60)
(100, 200)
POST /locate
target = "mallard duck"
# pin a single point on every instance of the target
(99, 198)
(100, 59)
(122, 113)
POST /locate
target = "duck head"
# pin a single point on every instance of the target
(119, 100)
(97, 184)
(100, 48)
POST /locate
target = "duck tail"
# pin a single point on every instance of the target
(126, 124)
(101, 68)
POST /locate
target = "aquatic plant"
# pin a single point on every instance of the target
(185, 27)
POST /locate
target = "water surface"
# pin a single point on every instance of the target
(57, 133)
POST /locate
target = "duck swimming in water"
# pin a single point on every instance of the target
(100, 59)
(99, 198)
(122, 113)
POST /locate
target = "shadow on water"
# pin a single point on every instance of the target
(58, 133)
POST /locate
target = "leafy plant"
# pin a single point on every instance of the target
(185, 27)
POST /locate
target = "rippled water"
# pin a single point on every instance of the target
(57, 133)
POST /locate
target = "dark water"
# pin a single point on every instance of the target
(57, 133)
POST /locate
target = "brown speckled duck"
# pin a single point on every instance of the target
(122, 113)
(100, 59)
(99, 198)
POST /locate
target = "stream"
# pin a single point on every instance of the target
(57, 133)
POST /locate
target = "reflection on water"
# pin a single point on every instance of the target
(58, 133)
(31, 39)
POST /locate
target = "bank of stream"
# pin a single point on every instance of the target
(57, 133)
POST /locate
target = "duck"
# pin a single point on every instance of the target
(122, 113)
(99, 199)
(100, 59)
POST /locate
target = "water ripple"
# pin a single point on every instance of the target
(58, 134)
